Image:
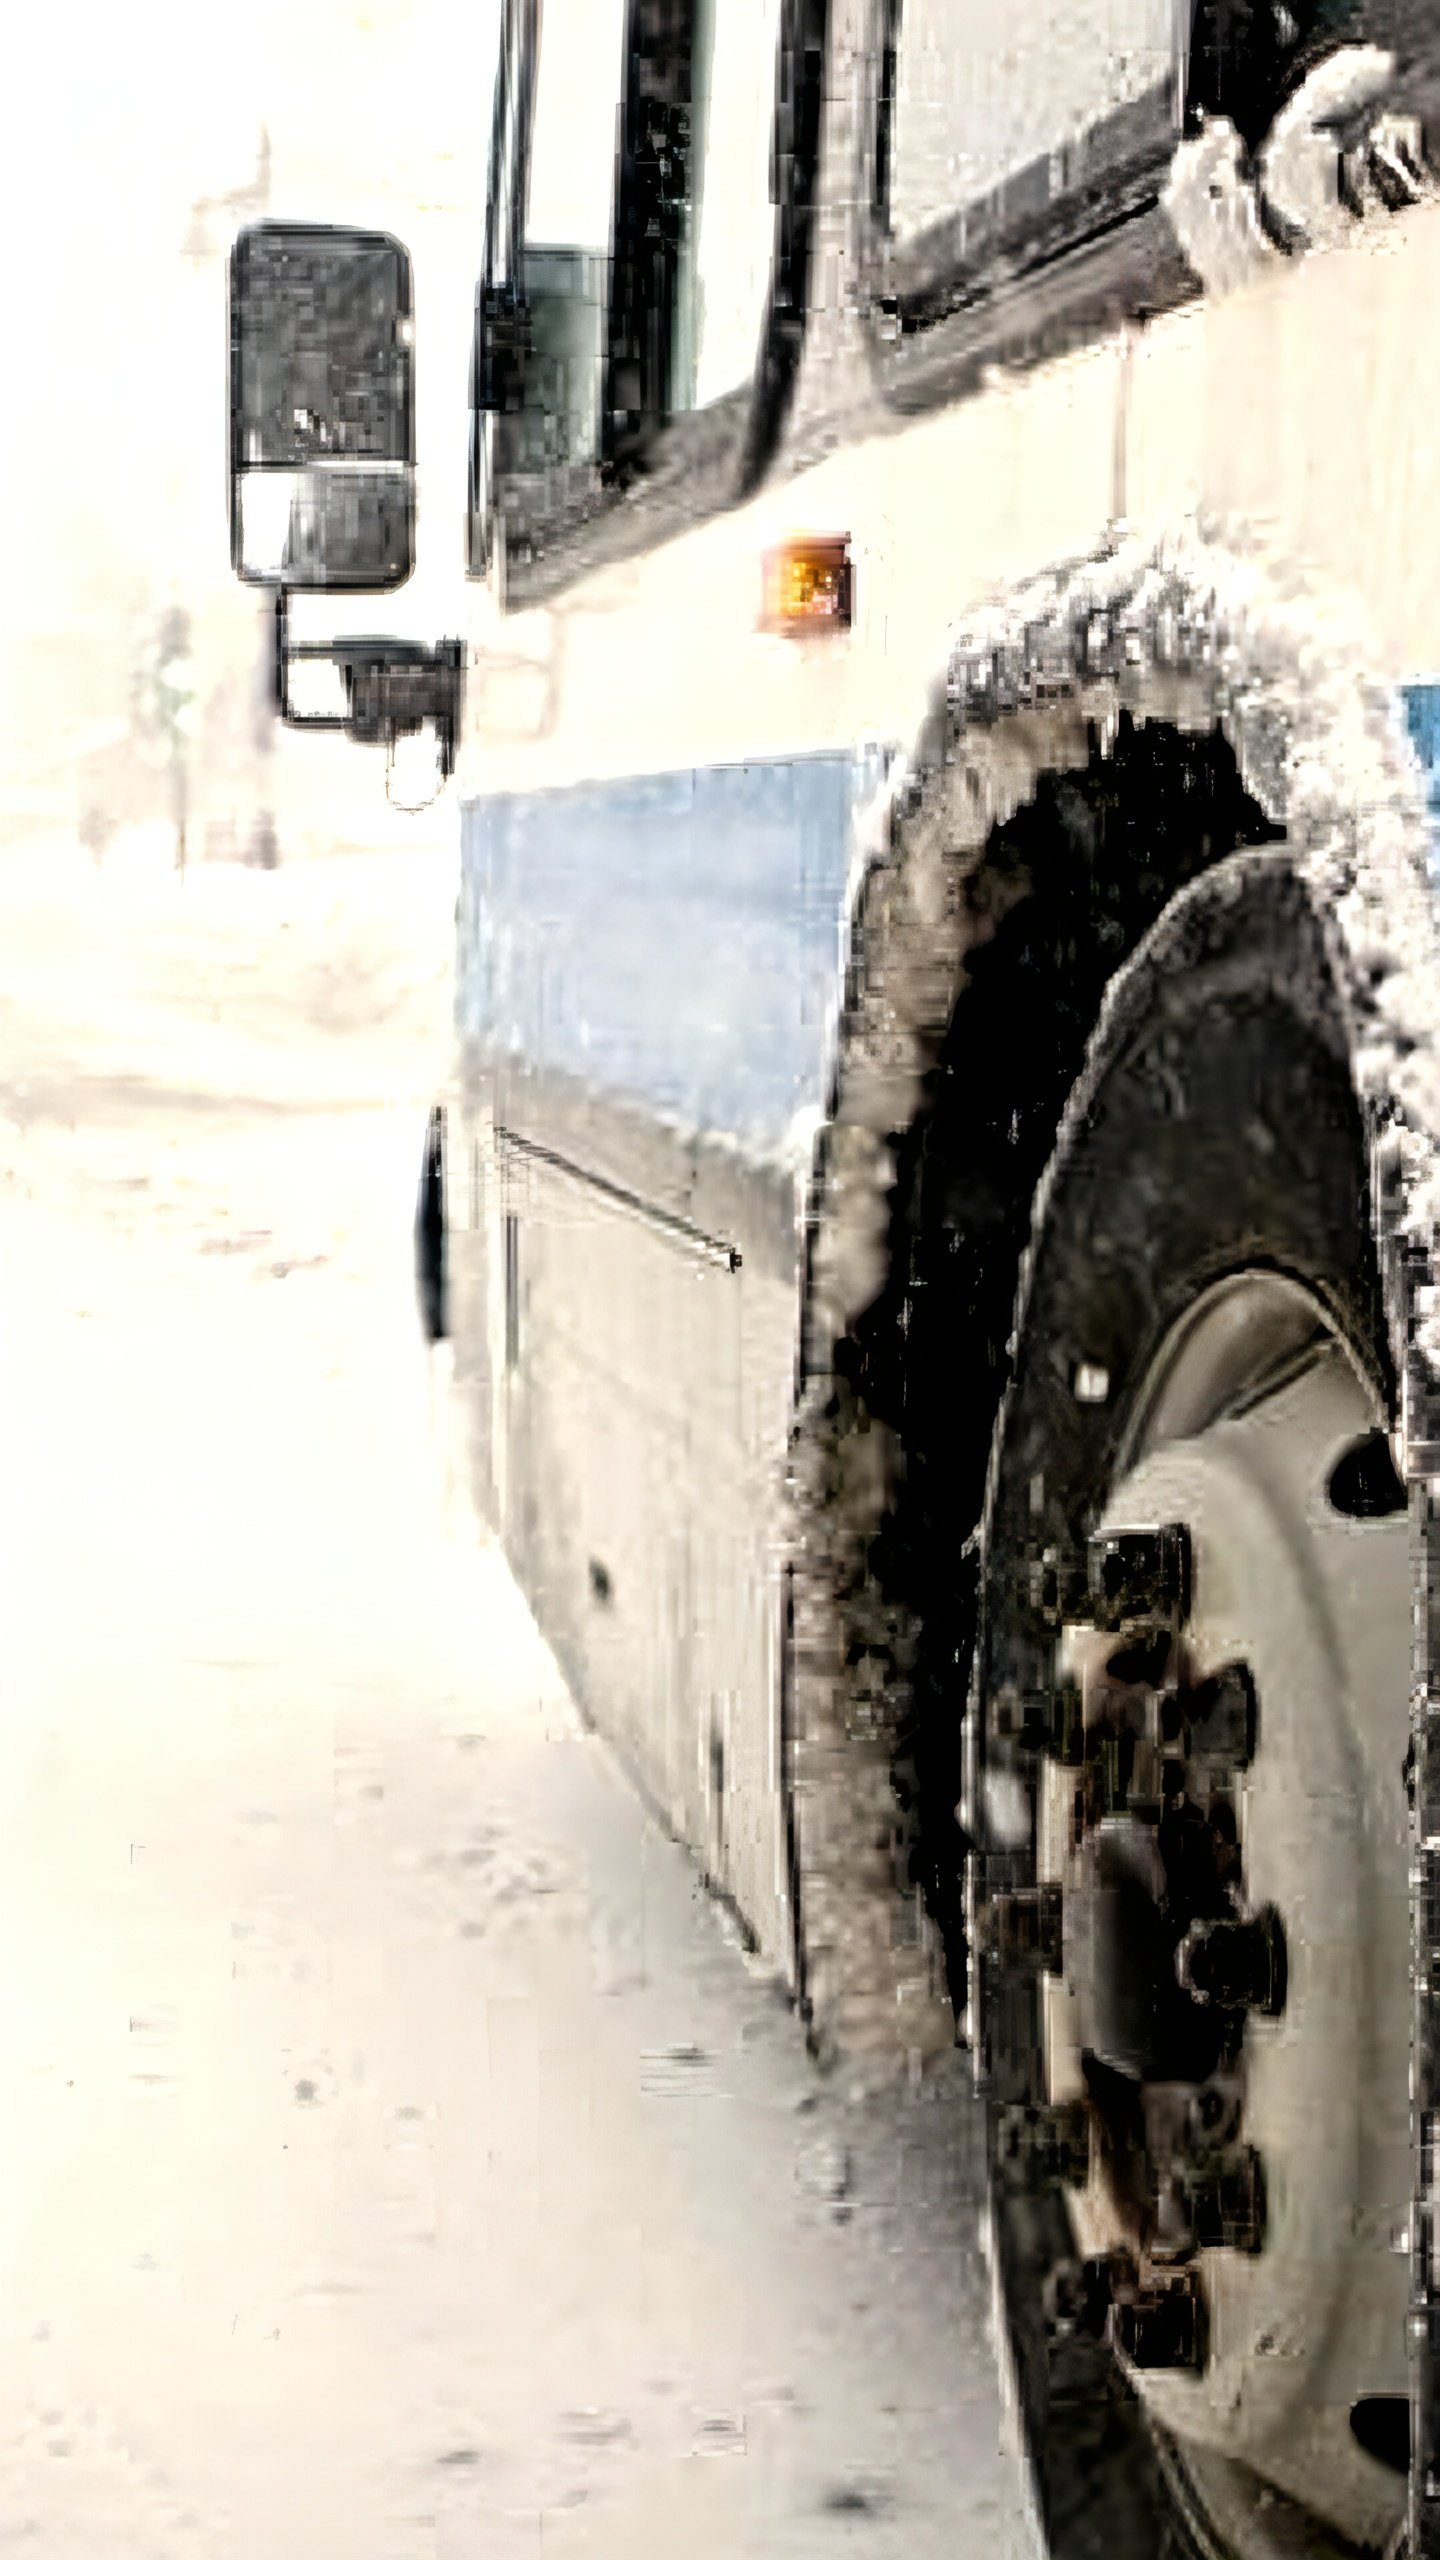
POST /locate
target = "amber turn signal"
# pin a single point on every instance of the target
(808, 585)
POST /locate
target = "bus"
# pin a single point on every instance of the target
(935, 1211)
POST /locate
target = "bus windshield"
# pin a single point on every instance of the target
(723, 216)
(572, 147)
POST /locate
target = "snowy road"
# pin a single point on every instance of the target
(397, 2156)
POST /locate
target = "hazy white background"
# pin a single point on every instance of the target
(119, 122)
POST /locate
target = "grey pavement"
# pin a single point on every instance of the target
(400, 2155)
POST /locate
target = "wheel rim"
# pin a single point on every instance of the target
(1248, 2268)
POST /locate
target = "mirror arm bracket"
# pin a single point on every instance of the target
(286, 651)
(392, 687)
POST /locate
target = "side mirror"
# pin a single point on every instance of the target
(322, 464)
(322, 409)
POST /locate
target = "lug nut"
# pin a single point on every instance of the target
(1212, 2119)
(1234, 1964)
(1140, 1577)
(1173, 2237)
(1169, 1719)
(1078, 2298)
(1223, 1719)
(1049, 1724)
(1161, 2327)
(1050, 2144)
(1226, 2201)
(1025, 1926)
(1056, 1587)
(1063, 1739)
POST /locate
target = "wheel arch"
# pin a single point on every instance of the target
(1122, 677)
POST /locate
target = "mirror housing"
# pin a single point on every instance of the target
(324, 531)
(322, 409)
(322, 464)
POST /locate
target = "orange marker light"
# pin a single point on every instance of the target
(808, 585)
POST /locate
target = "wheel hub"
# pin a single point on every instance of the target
(1221, 1835)
(1124, 1933)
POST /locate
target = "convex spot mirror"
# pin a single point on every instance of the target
(322, 409)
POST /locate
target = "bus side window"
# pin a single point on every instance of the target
(1024, 83)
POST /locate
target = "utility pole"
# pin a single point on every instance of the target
(175, 716)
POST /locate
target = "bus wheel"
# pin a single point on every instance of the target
(1186, 1779)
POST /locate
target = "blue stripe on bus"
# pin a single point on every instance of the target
(676, 939)
(673, 939)
(1420, 704)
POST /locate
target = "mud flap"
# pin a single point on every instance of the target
(1421, 1428)
(430, 1257)
(1410, 1289)
(1425, 1923)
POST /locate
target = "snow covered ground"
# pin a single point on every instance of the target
(397, 2157)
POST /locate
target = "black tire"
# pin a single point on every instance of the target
(1215, 1130)
(1067, 890)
